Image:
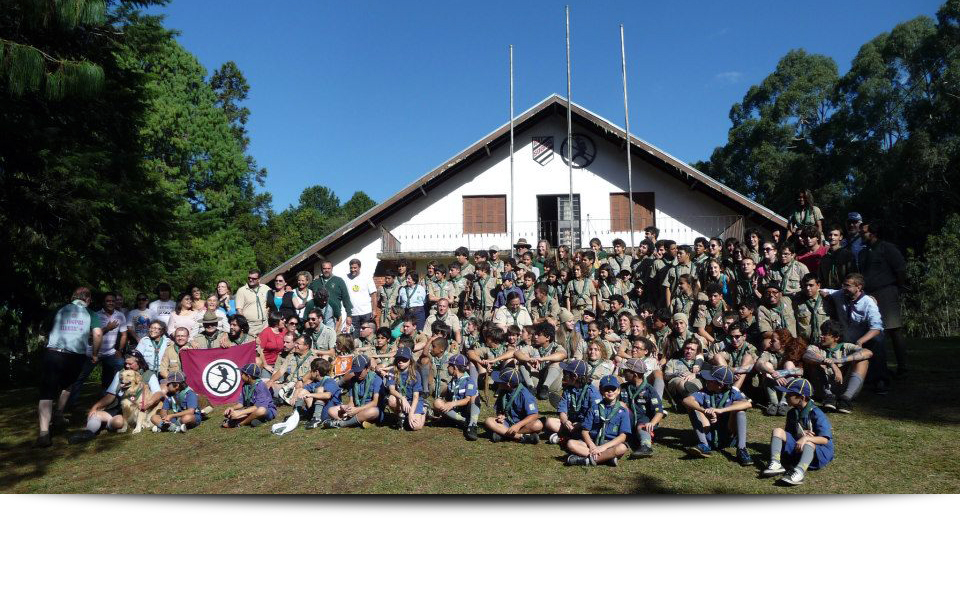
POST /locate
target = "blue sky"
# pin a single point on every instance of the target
(371, 95)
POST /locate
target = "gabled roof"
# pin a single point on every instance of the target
(553, 104)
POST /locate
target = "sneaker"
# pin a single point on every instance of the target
(743, 458)
(881, 388)
(255, 423)
(554, 439)
(613, 462)
(80, 437)
(577, 460)
(156, 429)
(44, 441)
(830, 403)
(495, 438)
(366, 424)
(700, 450)
(312, 424)
(794, 478)
(207, 411)
(331, 423)
(771, 410)
(845, 407)
(774, 468)
(782, 409)
(398, 424)
(529, 439)
(641, 452)
(181, 428)
(470, 433)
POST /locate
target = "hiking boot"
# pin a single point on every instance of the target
(554, 439)
(642, 452)
(577, 460)
(771, 410)
(774, 468)
(845, 407)
(312, 424)
(794, 478)
(830, 403)
(743, 458)
(782, 409)
(700, 450)
(81, 437)
(43, 441)
(470, 433)
(529, 439)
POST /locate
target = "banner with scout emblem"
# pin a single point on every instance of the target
(215, 373)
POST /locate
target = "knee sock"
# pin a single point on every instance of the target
(806, 457)
(349, 422)
(455, 415)
(94, 424)
(741, 430)
(474, 414)
(853, 387)
(698, 429)
(658, 386)
(776, 447)
(773, 397)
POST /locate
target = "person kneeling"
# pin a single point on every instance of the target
(256, 403)
(459, 401)
(405, 388)
(181, 406)
(718, 412)
(806, 440)
(364, 389)
(578, 398)
(518, 418)
(605, 430)
(645, 405)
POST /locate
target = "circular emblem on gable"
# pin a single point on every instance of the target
(221, 377)
(583, 153)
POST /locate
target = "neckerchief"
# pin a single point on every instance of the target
(813, 304)
(438, 364)
(297, 362)
(783, 317)
(688, 364)
(684, 301)
(580, 295)
(634, 392)
(803, 417)
(605, 420)
(247, 399)
(180, 395)
(256, 297)
(736, 356)
(367, 391)
(544, 308)
(850, 305)
(408, 383)
(408, 292)
(550, 348)
(507, 399)
(594, 367)
(785, 273)
(156, 352)
(719, 400)
(619, 261)
(578, 397)
(807, 217)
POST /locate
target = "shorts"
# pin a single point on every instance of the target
(270, 415)
(58, 371)
(888, 301)
(822, 454)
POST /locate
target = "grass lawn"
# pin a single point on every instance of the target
(904, 442)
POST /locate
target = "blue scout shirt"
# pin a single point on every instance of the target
(258, 395)
(577, 402)
(611, 420)
(813, 419)
(406, 385)
(183, 401)
(326, 384)
(461, 387)
(723, 399)
(642, 401)
(516, 404)
(362, 392)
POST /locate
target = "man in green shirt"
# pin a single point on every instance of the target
(337, 291)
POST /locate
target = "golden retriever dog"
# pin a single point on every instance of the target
(133, 395)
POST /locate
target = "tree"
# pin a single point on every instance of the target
(320, 198)
(358, 204)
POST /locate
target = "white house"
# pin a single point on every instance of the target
(466, 201)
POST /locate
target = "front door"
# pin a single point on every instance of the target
(553, 219)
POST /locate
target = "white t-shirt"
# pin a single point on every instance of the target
(153, 384)
(161, 309)
(139, 321)
(360, 288)
(108, 347)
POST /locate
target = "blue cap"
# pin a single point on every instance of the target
(510, 376)
(458, 360)
(799, 386)
(608, 382)
(574, 366)
(248, 369)
(360, 363)
(854, 216)
(720, 374)
(509, 275)
(404, 353)
(177, 377)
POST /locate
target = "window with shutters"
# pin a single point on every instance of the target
(485, 215)
(643, 211)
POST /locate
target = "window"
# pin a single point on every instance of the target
(485, 215)
(643, 207)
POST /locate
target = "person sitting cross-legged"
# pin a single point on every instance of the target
(806, 440)
(718, 414)
(460, 401)
(518, 418)
(605, 430)
(320, 393)
(405, 392)
(579, 395)
(363, 406)
(181, 406)
(256, 401)
(645, 405)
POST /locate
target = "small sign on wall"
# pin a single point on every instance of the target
(542, 150)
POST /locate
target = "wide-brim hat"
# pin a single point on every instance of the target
(522, 243)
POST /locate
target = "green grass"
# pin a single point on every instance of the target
(905, 442)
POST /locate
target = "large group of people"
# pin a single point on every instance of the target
(609, 340)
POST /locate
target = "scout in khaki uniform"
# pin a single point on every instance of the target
(840, 368)
(810, 311)
(738, 355)
(619, 260)
(581, 294)
(787, 277)
(291, 370)
(776, 312)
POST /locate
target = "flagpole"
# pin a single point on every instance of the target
(510, 249)
(569, 133)
(626, 111)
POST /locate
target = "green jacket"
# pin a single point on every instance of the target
(339, 296)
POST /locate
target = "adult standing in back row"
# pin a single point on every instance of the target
(338, 296)
(251, 302)
(885, 273)
(363, 297)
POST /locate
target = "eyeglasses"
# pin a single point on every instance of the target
(769, 249)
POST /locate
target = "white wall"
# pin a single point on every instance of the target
(434, 222)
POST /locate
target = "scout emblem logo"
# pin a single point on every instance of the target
(583, 152)
(542, 150)
(221, 377)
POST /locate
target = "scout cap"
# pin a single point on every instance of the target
(609, 382)
(178, 377)
(635, 365)
(577, 367)
(250, 369)
(854, 216)
(458, 360)
(404, 354)
(798, 386)
(720, 374)
(493, 248)
(509, 376)
(360, 363)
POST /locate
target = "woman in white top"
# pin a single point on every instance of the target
(411, 298)
(302, 294)
(183, 316)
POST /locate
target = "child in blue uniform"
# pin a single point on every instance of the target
(321, 392)
(180, 409)
(718, 414)
(460, 401)
(578, 397)
(405, 390)
(518, 418)
(644, 403)
(257, 405)
(605, 429)
(805, 442)
(362, 407)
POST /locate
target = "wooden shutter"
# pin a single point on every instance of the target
(485, 215)
(643, 211)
